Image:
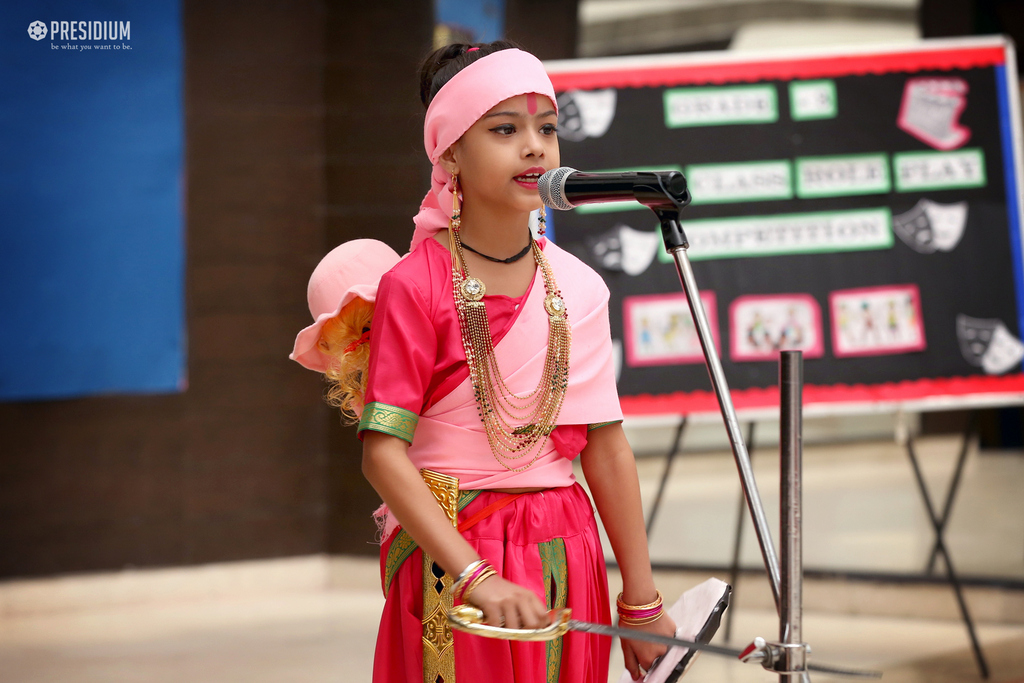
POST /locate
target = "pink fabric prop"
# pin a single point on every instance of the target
(457, 106)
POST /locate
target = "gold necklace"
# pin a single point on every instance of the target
(516, 425)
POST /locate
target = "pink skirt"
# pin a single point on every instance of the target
(546, 541)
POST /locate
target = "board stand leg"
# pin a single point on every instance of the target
(677, 444)
(938, 527)
(792, 665)
(734, 565)
(954, 484)
(676, 244)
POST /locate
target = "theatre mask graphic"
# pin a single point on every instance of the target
(585, 114)
(625, 249)
(930, 226)
(988, 344)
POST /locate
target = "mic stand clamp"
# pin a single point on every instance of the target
(666, 195)
(780, 658)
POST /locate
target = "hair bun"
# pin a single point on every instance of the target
(443, 63)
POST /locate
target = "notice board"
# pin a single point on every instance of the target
(863, 207)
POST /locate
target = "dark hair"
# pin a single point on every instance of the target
(443, 63)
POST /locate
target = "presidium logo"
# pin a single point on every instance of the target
(37, 30)
(81, 30)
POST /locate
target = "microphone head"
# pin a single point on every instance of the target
(552, 188)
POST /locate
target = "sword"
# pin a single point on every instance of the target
(471, 620)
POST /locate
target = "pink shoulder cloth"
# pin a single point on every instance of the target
(457, 106)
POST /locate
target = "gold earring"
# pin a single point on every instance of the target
(456, 221)
(542, 220)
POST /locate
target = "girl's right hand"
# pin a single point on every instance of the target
(508, 604)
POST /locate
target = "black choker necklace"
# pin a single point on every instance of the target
(510, 259)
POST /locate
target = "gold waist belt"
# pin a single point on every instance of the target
(438, 646)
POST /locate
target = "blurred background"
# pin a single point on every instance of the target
(176, 500)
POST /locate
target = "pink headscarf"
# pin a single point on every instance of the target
(457, 106)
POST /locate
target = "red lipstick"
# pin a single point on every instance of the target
(529, 177)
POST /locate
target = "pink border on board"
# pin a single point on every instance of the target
(710, 307)
(889, 350)
(816, 351)
(905, 126)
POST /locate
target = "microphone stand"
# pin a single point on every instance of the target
(666, 194)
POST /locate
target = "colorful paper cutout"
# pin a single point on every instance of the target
(876, 321)
(762, 325)
(660, 331)
(931, 110)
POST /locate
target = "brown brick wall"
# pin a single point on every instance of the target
(375, 177)
(235, 467)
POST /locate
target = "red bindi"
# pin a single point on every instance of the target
(531, 102)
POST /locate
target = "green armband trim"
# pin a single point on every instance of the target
(380, 417)
(598, 425)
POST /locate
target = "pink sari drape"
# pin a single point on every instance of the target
(450, 437)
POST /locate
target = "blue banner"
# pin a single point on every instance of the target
(484, 20)
(92, 253)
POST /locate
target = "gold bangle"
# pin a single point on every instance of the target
(484, 575)
(470, 568)
(651, 605)
(640, 622)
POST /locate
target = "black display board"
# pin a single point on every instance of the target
(863, 207)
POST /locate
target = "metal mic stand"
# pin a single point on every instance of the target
(666, 195)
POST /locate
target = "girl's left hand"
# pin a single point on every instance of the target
(639, 655)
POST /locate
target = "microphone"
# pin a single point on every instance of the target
(566, 188)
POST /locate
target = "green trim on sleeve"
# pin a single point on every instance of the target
(380, 417)
(598, 425)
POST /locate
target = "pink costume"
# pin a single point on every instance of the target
(418, 389)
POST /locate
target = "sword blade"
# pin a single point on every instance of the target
(471, 620)
(632, 634)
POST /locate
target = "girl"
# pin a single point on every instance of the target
(490, 370)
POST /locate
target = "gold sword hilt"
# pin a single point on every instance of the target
(471, 620)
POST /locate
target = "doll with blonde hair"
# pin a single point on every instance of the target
(341, 295)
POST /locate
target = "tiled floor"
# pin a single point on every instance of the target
(323, 637)
(860, 511)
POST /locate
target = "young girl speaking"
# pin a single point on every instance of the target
(490, 370)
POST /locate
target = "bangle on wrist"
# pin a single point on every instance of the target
(471, 585)
(470, 577)
(465, 572)
(638, 615)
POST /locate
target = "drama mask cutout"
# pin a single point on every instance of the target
(988, 344)
(627, 250)
(931, 227)
(585, 114)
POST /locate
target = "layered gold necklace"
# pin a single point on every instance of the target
(516, 425)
